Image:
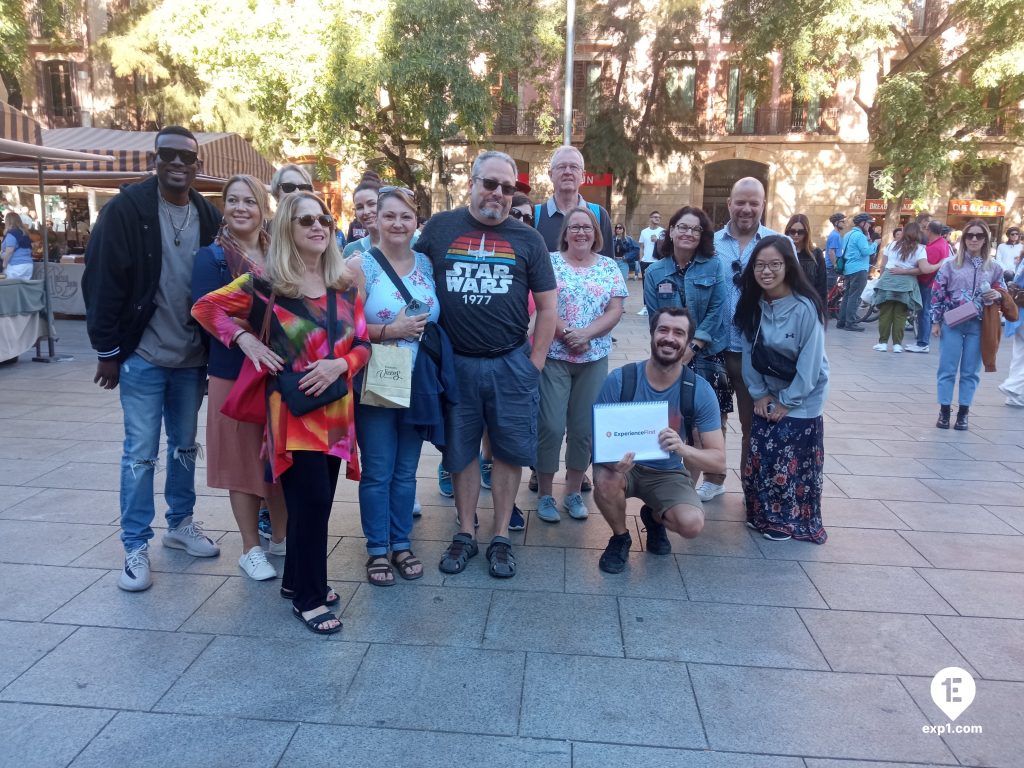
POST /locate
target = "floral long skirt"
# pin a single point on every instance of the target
(784, 476)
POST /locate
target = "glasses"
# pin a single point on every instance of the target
(515, 213)
(774, 266)
(287, 187)
(974, 235)
(567, 167)
(578, 228)
(685, 229)
(169, 154)
(492, 184)
(392, 190)
(309, 219)
(796, 232)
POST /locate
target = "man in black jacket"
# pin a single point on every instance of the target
(138, 296)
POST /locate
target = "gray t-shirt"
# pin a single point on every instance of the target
(172, 339)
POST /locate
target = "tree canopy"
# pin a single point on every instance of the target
(636, 108)
(942, 77)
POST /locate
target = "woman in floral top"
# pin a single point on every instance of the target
(590, 296)
(971, 277)
(303, 271)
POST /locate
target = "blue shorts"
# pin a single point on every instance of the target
(500, 394)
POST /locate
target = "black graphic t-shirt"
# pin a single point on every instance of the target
(484, 276)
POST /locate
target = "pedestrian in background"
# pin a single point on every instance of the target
(897, 294)
(812, 260)
(856, 257)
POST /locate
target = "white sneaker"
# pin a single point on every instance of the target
(917, 348)
(708, 491)
(897, 348)
(1015, 402)
(135, 577)
(280, 549)
(255, 565)
(642, 311)
(881, 347)
(190, 537)
(417, 508)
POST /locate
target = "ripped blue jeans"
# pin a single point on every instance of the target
(151, 395)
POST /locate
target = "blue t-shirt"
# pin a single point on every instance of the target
(706, 416)
(22, 246)
(834, 243)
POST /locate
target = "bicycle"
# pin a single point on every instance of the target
(866, 313)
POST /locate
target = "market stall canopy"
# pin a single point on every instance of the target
(91, 179)
(223, 154)
(15, 125)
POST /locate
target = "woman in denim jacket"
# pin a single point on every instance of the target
(688, 274)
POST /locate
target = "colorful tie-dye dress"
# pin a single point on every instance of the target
(299, 336)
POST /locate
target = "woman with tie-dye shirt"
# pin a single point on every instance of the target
(304, 270)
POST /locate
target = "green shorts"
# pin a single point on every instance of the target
(661, 489)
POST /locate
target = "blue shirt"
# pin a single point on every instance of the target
(22, 246)
(727, 248)
(706, 416)
(834, 242)
(856, 252)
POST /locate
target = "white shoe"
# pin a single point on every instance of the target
(642, 311)
(881, 347)
(417, 508)
(917, 348)
(255, 565)
(278, 550)
(135, 577)
(708, 490)
(897, 348)
(190, 537)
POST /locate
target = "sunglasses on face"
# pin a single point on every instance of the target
(288, 187)
(974, 235)
(309, 219)
(515, 213)
(168, 155)
(492, 184)
(796, 232)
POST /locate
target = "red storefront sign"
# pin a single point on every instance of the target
(876, 206)
(597, 180)
(985, 208)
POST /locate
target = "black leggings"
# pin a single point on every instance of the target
(308, 486)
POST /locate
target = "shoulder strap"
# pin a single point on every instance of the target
(536, 215)
(389, 270)
(630, 374)
(596, 210)
(332, 320)
(687, 395)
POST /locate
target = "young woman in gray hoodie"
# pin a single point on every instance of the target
(781, 320)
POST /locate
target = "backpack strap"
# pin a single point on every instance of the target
(596, 210)
(687, 395)
(536, 216)
(630, 374)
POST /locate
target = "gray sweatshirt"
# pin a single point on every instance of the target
(791, 327)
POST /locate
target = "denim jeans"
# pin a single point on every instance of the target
(390, 454)
(853, 287)
(151, 394)
(924, 317)
(959, 348)
(623, 268)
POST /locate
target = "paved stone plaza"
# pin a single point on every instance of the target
(732, 652)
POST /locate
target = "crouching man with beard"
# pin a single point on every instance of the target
(693, 441)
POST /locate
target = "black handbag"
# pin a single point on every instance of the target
(769, 362)
(298, 402)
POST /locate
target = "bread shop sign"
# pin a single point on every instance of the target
(983, 208)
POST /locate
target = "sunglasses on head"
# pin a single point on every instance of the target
(391, 190)
(168, 155)
(515, 213)
(309, 219)
(492, 184)
(288, 187)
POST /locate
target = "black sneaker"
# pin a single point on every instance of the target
(616, 554)
(657, 536)
(776, 536)
(532, 484)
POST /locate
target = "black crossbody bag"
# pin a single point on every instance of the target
(298, 402)
(768, 362)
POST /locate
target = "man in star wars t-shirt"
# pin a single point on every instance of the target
(485, 267)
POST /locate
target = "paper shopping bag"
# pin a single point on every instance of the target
(387, 378)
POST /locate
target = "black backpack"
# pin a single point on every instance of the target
(687, 389)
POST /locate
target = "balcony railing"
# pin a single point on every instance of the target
(758, 122)
(1005, 122)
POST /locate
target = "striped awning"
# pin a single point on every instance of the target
(17, 126)
(223, 154)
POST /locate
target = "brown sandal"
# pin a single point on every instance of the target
(374, 567)
(407, 564)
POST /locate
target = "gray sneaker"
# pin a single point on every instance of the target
(190, 537)
(547, 509)
(136, 576)
(575, 506)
